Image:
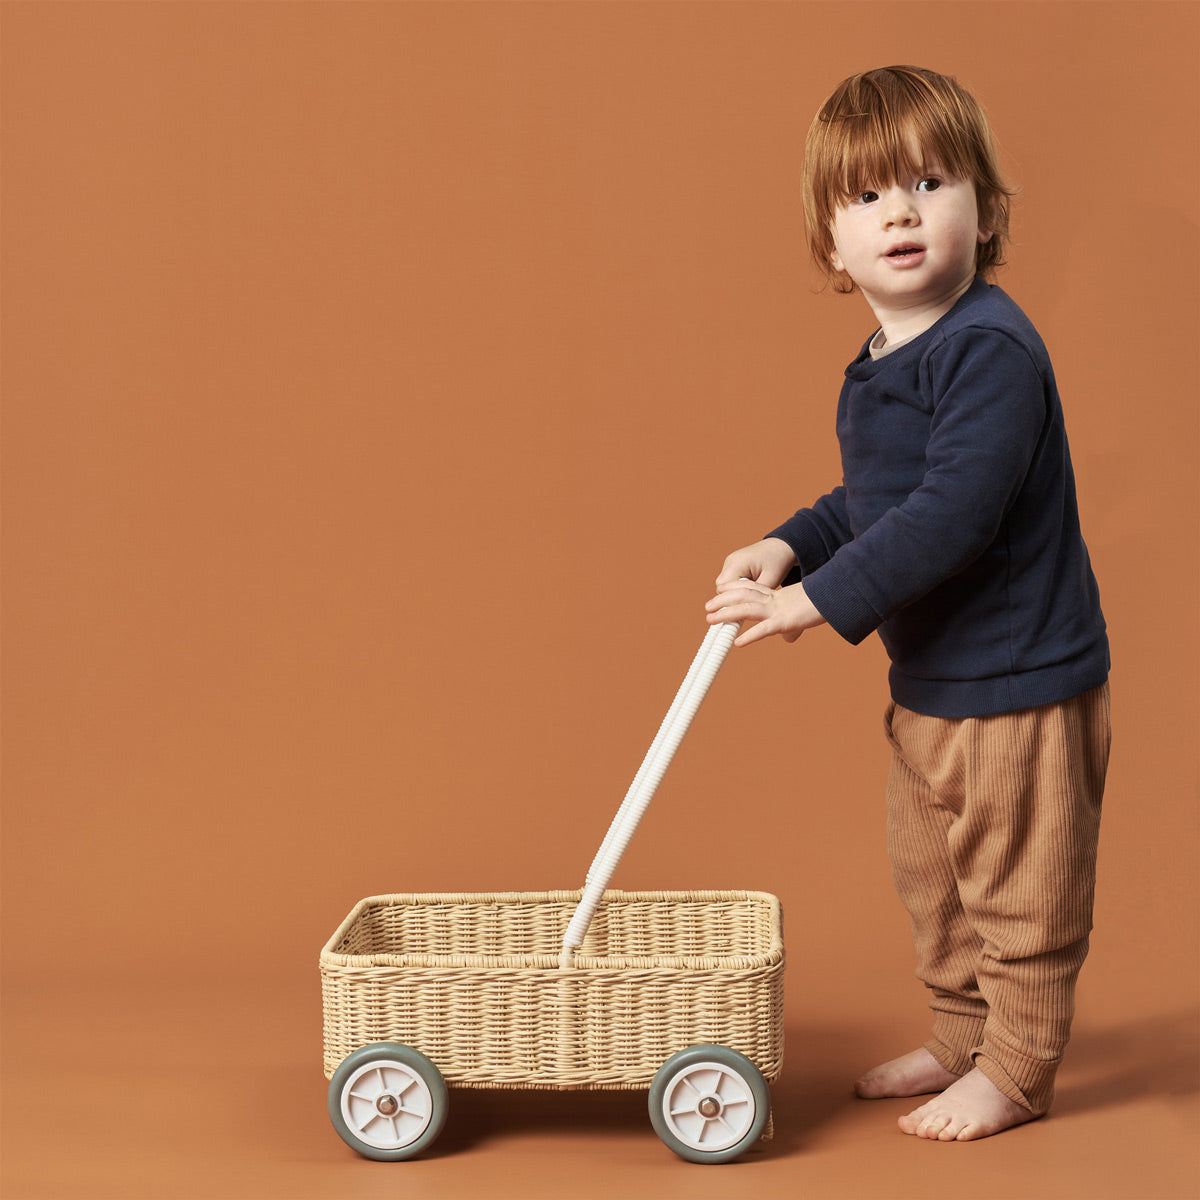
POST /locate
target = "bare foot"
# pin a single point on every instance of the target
(913, 1074)
(974, 1107)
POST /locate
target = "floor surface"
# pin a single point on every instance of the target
(216, 1093)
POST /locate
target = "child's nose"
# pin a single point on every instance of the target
(898, 210)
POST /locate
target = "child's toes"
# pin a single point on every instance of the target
(921, 1121)
(952, 1131)
(934, 1127)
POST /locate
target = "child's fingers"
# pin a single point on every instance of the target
(735, 614)
(739, 567)
(735, 609)
(756, 633)
(743, 592)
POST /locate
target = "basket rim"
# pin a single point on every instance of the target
(770, 954)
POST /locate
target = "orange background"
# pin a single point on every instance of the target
(383, 386)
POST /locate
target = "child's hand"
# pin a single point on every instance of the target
(767, 562)
(787, 611)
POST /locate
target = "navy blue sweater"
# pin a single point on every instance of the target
(955, 532)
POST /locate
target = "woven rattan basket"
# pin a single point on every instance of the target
(474, 982)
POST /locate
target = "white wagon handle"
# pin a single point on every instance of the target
(687, 702)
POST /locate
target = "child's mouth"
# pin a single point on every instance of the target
(906, 256)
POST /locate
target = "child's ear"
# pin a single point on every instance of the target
(988, 211)
(835, 260)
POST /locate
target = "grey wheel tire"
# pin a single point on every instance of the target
(387, 1101)
(709, 1104)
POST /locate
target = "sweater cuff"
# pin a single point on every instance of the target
(846, 611)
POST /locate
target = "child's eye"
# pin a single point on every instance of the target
(866, 197)
(929, 185)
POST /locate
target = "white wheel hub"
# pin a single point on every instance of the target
(708, 1106)
(386, 1105)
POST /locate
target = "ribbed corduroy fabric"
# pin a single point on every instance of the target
(992, 832)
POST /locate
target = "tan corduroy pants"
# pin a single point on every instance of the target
(992, 832)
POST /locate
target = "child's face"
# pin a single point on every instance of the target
(910, 245)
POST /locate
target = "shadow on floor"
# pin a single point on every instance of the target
(479, 1116)
(1156, 1056)
(814, 1087)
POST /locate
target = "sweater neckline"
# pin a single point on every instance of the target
(865, 365)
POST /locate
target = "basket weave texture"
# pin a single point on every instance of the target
(473, 981)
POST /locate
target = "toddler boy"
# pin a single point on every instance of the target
(955, 534)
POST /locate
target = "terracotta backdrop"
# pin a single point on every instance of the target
(383, 387)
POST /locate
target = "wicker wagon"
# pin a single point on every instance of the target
(680, 992)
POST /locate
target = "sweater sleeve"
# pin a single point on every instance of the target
(816, 533)
(990, 410)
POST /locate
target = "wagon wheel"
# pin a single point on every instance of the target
(387, 1101)
(709, 1104)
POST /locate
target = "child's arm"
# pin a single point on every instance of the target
(989, 415)
(748, 585)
